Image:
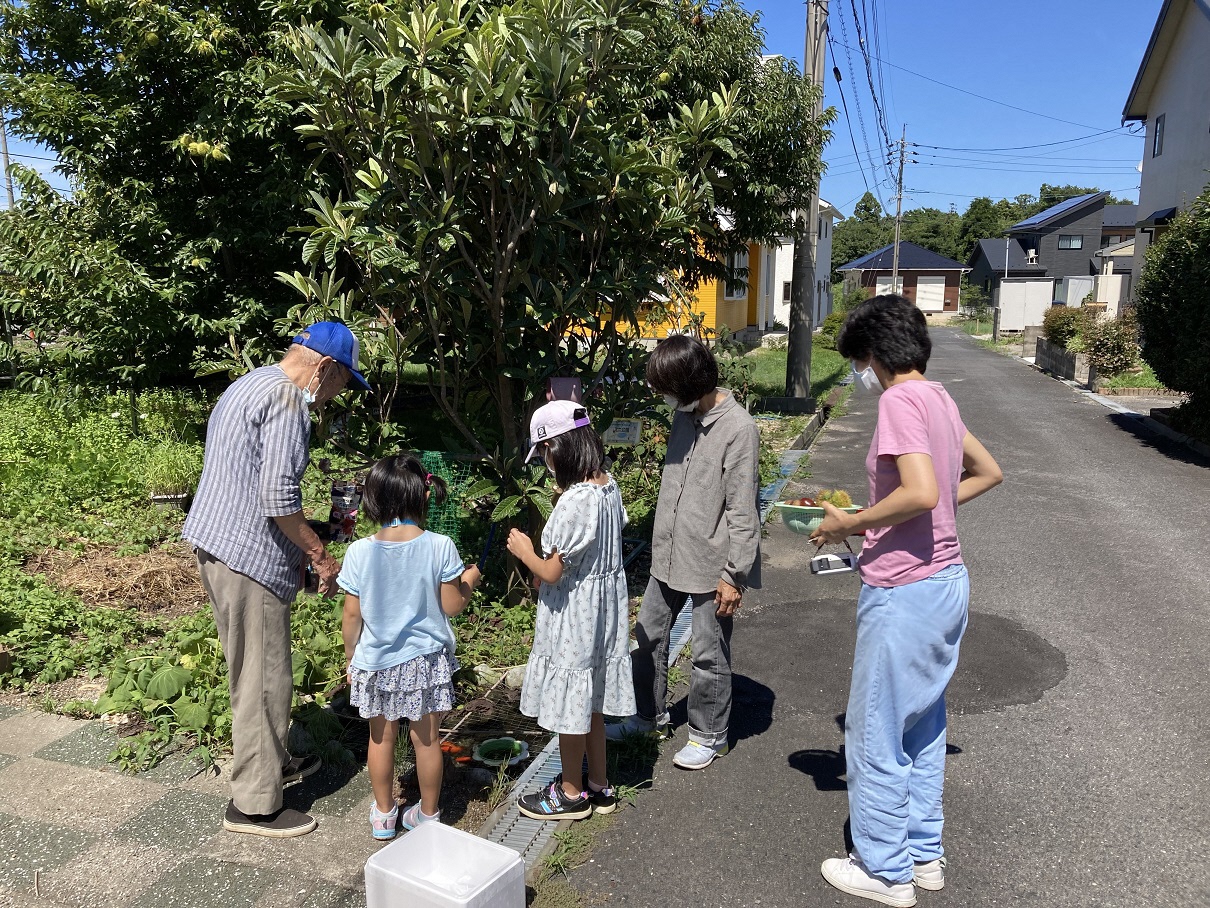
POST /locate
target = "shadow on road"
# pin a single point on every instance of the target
(1134, 425)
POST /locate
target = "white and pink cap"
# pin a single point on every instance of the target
(555, 418)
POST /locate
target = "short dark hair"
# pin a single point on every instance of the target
(395, 490)
(682, 367)
(890, 329)
(576, 456)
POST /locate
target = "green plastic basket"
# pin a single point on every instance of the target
(803, 519)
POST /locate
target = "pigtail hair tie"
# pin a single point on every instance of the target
(428, 479)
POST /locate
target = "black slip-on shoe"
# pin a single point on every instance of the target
(298, 768)
(283, 824)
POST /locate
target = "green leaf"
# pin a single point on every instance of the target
(507, 508)
(168, 682)
(190, 714)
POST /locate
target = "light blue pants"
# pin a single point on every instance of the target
(907, 649)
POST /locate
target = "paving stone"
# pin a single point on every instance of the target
(87, 744)
(56, 793)
(336, 851)
(28, 731)
(301, 893)
(28, 846)
(334, 791)
(7, 712)
(6, 759)
(180, 819)
(107, 875)
(205, 883)
(175, 769)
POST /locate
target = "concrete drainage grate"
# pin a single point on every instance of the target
(528, 837)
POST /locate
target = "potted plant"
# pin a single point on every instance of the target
(171, 473)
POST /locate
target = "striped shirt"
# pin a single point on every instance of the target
(256, 452)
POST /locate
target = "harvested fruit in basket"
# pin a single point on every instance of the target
(802, 502)
(838, 498)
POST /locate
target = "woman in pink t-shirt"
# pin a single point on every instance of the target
(911, 613)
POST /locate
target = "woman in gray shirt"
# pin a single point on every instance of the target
(705, 548)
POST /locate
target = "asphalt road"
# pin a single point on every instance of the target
(1079, 772)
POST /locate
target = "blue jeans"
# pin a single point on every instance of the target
(907, 650)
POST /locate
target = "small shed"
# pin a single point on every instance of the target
(929, 280)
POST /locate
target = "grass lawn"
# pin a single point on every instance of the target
(1145, 378)
(972, 326)
(769, 371)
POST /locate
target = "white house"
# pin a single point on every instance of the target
(1169, 95)
(777, 288)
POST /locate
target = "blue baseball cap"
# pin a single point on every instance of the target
(337, 341)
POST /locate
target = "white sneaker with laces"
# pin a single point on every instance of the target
(635, 725)
(849, 875)
(698, 756)
(931, 875)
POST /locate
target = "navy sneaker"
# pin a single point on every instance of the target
(552, 804)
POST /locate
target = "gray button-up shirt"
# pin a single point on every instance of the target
(256, 453)
(707, 523)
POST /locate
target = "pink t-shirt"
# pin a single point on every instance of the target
(914, 417)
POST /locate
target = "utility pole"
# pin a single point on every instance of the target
(8, 179)
(898, 212)
(803, 278)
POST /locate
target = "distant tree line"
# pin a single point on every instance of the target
(947, 233)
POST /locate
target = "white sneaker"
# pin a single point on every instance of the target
(635, 725)
(931, 876)
(849, 875)
(699, 756)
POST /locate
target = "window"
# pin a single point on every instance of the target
(785, 291)
(1111, 240)
(736, 287)
(1071, 241)
(1157, 141)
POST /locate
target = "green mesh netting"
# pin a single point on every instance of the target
(457, 476)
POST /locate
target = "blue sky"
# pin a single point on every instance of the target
(1075, 62)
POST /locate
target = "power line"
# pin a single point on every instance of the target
(865, 139)
(869, 74)
(1118, 129)
(984, 195)
(847, 119)
(1040, 171)
(977, 95)
(32, 157)
(1033, 161)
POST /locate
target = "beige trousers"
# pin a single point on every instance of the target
(254, 629)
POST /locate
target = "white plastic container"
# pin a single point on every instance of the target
(437, 866)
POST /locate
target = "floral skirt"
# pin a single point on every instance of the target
(406, 691)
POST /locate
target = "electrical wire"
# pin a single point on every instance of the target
(865, 139)
(975, 94)
(1117, 129)
(845, 106)
(869, 74)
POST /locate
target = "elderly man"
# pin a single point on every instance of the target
(705, 548)
(247, 529)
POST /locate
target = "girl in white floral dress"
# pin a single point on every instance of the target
(579, 668)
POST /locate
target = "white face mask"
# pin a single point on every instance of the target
(865, 379)
(308, 394)
(677, 405)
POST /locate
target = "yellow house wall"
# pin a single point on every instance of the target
(735, 314)
(754, 281)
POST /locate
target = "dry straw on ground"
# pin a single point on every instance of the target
(162, 582)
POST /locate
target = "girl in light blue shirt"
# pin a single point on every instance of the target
(401, 585)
